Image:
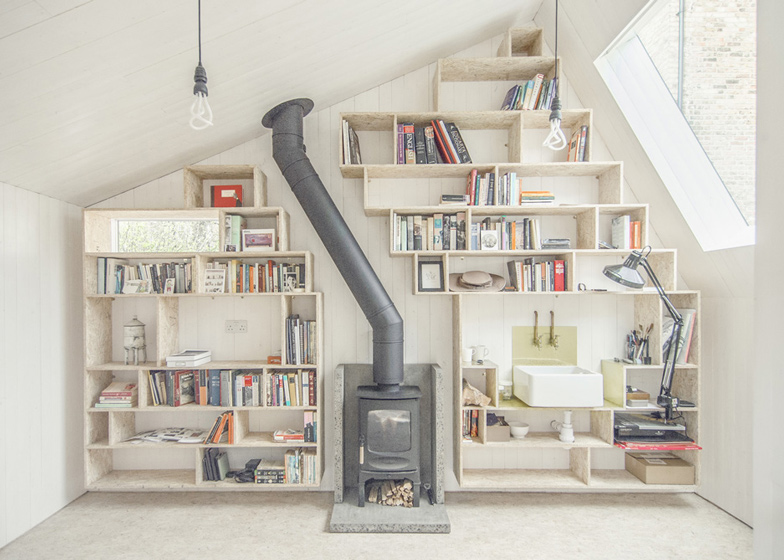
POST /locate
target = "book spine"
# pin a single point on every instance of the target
(459, 144)
(410, 148)
(430, 145)
(419, 145)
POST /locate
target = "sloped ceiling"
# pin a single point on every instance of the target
(95, 95)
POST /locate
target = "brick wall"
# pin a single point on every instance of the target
(719, 83)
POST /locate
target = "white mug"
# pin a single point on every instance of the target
(479, 353)
(465, 354)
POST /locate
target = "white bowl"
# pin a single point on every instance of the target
(518, 429)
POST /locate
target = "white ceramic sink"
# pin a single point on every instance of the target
(558, 386)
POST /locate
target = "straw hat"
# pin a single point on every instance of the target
(476, 281)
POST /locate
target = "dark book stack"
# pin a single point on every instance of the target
(215, 464)
(270, 472)
(173, 388)
(301, 341)
(437, 142)
(351, 151)
(115, 276)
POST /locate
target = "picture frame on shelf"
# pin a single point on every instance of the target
(258, 240)
(168, 288)
(215, 281)
(431, 276)
(136, 287)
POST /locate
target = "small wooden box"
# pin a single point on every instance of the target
(498, 433)
(660, 468)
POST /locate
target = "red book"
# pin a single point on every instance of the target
(471, 188)
(560, 276)
(441, 143)
(227, 196)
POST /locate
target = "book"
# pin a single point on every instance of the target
(189, 358)
(430, 145)
(689, 319)
(458, 143)
(401, 145)
(120, 389)
(621, 232)
(459, 199)
(226, 196)
(582, 143)
(509, 98)
(409, 143)
(419, 145)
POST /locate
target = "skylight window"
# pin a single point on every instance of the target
(689, 97)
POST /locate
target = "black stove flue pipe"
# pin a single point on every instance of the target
(288, 150)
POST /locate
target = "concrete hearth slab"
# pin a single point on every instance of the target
(347, 517)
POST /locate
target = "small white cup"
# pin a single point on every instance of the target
(465, 354)
(479, 353)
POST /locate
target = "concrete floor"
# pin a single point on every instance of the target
(294, 525)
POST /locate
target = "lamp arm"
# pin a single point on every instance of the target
(665, 399)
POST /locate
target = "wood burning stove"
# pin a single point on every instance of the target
(389, 436)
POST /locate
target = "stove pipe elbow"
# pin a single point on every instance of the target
(288, 150)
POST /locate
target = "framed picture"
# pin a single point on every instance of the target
(214, 280)
(431, 276)
(169, 287)
(258, 239)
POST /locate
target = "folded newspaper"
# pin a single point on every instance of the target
(178, 435)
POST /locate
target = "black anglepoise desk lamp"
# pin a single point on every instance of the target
(626, 274)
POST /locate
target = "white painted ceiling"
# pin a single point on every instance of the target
(95, 94)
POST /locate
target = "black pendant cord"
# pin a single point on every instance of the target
(557, 77)
(200, 32)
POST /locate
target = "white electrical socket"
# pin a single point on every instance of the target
(236, 326)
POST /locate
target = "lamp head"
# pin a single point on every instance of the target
(626, 274)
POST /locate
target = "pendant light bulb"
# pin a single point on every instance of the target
(555, 139)
(201, 112)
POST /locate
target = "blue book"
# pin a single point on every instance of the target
(213, 387)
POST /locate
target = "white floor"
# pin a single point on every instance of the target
(294, 525)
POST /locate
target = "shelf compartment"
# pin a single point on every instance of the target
(198, 179)
(514, 69)
(145, 480)
(521, 41)
(548, 440)
(553, 480)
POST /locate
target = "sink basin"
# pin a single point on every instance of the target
(558, 386)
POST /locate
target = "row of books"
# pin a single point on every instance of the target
(222, 430)
(484, 190)
(351, 153)
(172, 388)
(118, 394)
(300, 466)
(292, 388)
(470, 423)
(439, 232)
(521, 234)
(437, 142)
(116, 276)
(215, 464)
(301, 341)
(577, 144)
(536, 94)
(547, 274)
(626, 233)
(259, 277)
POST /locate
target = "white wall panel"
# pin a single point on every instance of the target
(40, 383)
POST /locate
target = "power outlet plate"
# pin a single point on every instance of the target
(236, 326)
